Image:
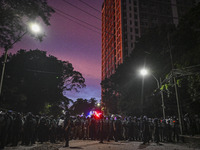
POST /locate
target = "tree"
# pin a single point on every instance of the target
(34, 80)
(186, 46)
(82, 106)
(15, 14)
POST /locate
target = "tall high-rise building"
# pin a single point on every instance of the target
(124, 21)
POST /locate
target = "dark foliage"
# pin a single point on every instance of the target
(15, 16)
(82, 106)
(35, 81)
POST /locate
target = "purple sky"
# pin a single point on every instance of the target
(71, 42)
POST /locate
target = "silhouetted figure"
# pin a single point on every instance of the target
(29, 129)
(156, 131)
(145, 130)
(101, 129)
(17, 128)
(67, 127)
(92, 128)
(41, 129)
(117, 128)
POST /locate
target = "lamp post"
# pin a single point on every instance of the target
(35, 28)
(145, 72)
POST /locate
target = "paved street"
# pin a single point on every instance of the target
(95, 145)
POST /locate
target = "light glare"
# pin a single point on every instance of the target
(143, 72)
(35, 28)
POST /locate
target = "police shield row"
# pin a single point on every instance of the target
(16, 128)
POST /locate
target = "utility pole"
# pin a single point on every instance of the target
(3, 69)
(175, 87)
(161, 93)
(163, 103)
(5, 59)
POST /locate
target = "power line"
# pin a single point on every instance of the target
(76, 18)
(40, 71)
(90, 6)
(76, 22)
(81, 10)
(63, 14)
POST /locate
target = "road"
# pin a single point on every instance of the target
(95, 145)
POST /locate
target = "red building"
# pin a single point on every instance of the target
(124, 21)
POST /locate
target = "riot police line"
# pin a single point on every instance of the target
(27, 129)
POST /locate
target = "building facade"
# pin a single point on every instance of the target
(124, 21)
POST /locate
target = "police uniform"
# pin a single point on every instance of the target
(67, 127)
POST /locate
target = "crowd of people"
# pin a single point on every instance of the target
(28, 129)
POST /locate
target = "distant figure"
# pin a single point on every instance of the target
(101, 128)
(67, 126)
(156, 131)
(117, 128)
(145, 130)
(92, 128)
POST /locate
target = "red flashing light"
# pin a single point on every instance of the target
(96, 114)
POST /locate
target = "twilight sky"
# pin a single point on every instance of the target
(71, 42)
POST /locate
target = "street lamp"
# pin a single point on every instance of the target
(145, 72)
(33, 27)
(98, 104)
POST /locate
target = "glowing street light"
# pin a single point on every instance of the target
(33, 27)
(98, 104)
(145, 72)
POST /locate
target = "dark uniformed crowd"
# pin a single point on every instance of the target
(16, 128)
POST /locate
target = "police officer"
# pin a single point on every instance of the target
(109, 127)
(168, 131)
(17, 124)
(52, 130)
(3, 130)
(29, 129)
(67, 127)
(156, 131)
(92, 128)
(117, 128)
(42, 129)
(145, 130)
(130, 129)
(101, 128)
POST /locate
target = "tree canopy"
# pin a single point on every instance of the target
(82, 106)
(15, 15)
(34, 81)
